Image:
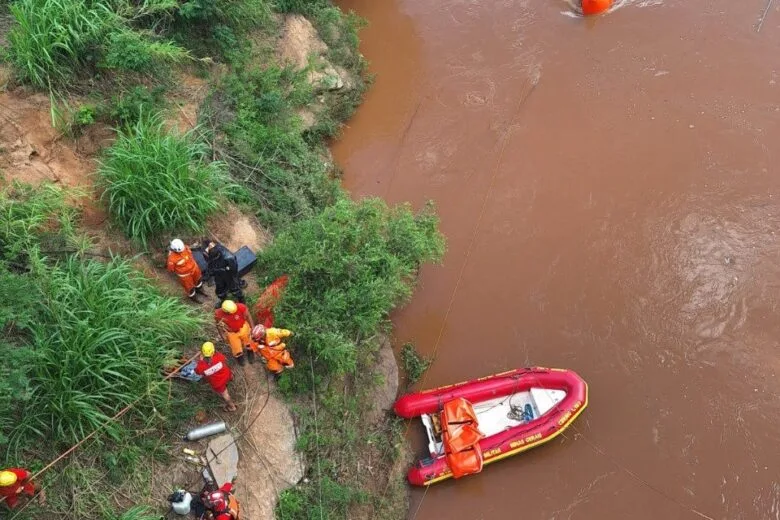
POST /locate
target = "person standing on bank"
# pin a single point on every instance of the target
(182, 263)
(214, 368)
(234, 321)
(223, 266)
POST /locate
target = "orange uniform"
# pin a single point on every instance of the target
(275, 351)
(186, 268)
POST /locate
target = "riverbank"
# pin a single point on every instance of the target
(244, 108)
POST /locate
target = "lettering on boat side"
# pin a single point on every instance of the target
(563, 419)
(491, 453)
(534, 437)
(577, 405)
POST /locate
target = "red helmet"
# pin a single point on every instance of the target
(216, 501)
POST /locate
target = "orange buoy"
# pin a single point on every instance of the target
(590, 7)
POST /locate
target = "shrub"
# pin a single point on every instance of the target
(415, 365)
(266, 150)
(128, 106)
(348, 267)
(158, 181)
(134, 51)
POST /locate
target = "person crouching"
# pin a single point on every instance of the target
(271, 347)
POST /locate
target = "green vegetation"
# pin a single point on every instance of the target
(157, 181)
(55, 41)
(348, 267)
(415, 365)
(82, 339)
(287, 175)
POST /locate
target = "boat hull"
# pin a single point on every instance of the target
(511, 441)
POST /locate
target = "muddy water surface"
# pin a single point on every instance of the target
(610, 192)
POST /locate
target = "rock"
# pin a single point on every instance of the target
(384, 394)
(301, 47)
(224, 465)
(298, 41)
(269, 463)
(308, 118)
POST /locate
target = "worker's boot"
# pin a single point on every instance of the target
(250, 356)
(199, 288)
(241, 359)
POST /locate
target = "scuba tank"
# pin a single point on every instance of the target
(205, 431)
(180, 502)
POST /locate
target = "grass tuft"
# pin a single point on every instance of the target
(157, 181)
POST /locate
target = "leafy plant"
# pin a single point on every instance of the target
(134, 51)
(415, 365)
(348, 267)
(130, 105)
(159, 181)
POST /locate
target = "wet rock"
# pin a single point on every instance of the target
(384, 394)
(222, 456)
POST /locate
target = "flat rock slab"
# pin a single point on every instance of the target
(224, 465)
(269, 462)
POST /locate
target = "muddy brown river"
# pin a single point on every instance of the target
(610, 192)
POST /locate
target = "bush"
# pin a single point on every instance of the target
(128, 106)
(157, 181)
(133, 51)
(348, 267)
(288, 176)
(55, 40)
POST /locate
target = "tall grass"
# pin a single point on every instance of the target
(54, 41)
(100, 336)
(52, 38)
(158, 181)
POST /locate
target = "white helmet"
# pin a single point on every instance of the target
(177, 245)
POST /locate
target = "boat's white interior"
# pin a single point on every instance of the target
(496, 415)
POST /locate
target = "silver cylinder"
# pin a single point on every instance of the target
(205, 431)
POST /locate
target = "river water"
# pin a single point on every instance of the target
(610, 193)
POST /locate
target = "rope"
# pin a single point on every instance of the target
(763, 16)
(97, 430)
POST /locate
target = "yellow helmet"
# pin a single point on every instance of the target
(229, 306)
(207, 349)
(7, 478)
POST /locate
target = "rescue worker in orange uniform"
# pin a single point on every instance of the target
(181, 262)
(234, 321)
(15, 482)
(272, 348)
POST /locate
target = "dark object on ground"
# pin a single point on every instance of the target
(246, 260)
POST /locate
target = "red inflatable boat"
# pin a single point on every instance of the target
(481, 421)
